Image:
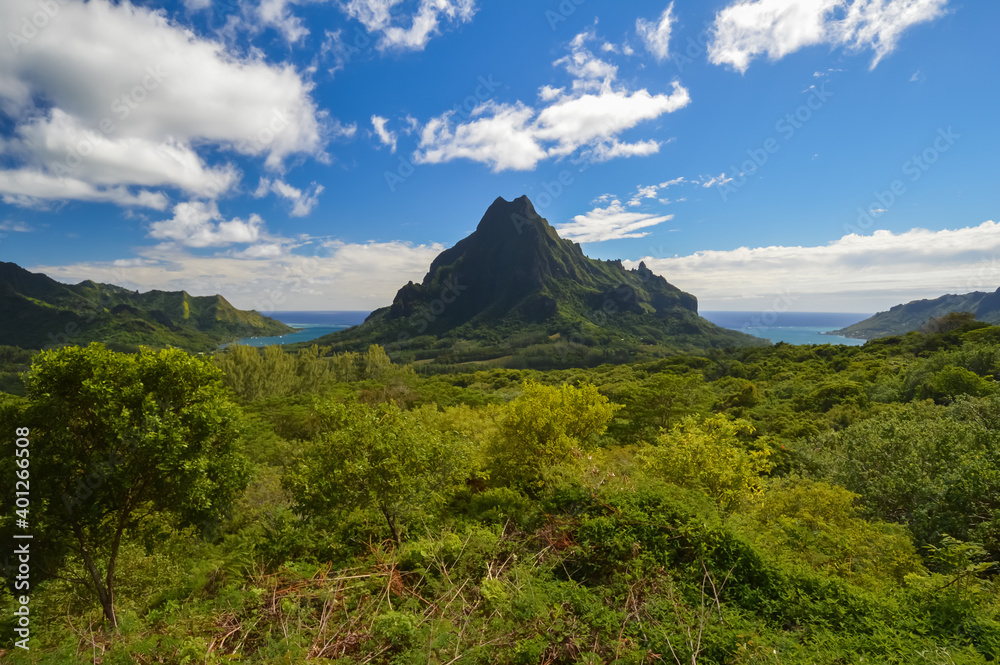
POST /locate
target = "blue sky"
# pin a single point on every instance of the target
(820, 155)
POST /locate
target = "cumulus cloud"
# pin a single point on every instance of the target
(856, 273)
(656, 36)
(107, 98)
(750, 28)
(200, 224)
(591, 115)
(610, 223)
(408, 30)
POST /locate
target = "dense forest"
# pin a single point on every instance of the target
(791, 504)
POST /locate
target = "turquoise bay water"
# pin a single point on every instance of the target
(308, 325)
(788, 327)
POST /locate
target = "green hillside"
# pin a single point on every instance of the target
(902, 319)
(37, 312)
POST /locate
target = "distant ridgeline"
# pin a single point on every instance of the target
(902, 319)
(37, 312)
(514, 288)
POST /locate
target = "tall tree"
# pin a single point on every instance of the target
(117, 437)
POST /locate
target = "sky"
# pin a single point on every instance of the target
(764, 155)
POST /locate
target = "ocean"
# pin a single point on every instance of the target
(788, 327)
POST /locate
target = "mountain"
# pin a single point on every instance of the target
(514, 288)
(37, 311)
(902, 319)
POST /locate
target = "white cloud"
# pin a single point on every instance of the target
(613, 149)
(854, 274)
(200, 224)
(671, 183)
(547, 93)
(750, 28)
(107, 97)
(588, 71)
(266, 276)
(387, 137)
(656, 36)
(715, 181)
(255, 15)
(380, 16)
(275, 13)
(303, 201)
(610, 223)
(644, 192)
(32, 189)
(517, 136)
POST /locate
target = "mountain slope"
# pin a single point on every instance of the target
(37, 311)
(514, 287)
(902, 319)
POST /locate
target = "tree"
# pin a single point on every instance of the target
(710, 456)
(950, 382)
(377, 457)
(935, 470)
(117, 437)
(947, 323)
(545, 426)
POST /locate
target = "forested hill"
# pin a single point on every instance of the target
(514, 288)
(902, 319)
(37, 311)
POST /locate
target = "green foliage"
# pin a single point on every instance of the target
(792, 505)
(951, 382)
(938, 475)
(714, 455)
(262, 373)
(377, 457)
(817, 523)
(544, 427)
